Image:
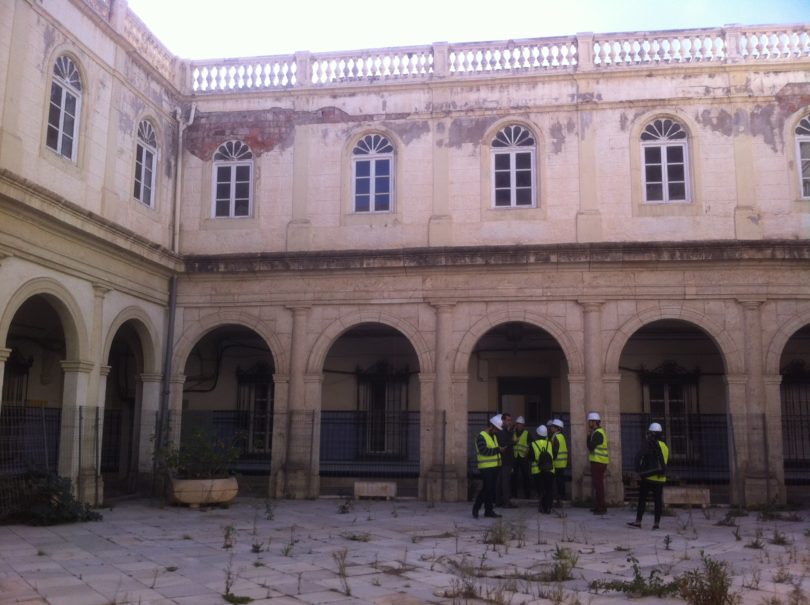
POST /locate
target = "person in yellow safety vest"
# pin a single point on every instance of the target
(522, 464)
(488, 454)
(598, 457)
(543, 469)
(560, 446)
(652, 481)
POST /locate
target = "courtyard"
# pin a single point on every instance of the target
(404, 552)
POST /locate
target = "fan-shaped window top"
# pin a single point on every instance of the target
(233, 151)
(65, 69)
(146, 133)
(513, 136)
(373, 144)
(803, 144)
(663, 129)
(803, 129)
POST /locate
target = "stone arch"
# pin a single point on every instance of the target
(65, 306)
(328, 337)
(573, 355)
(773, 352)
(197, 329)
(148, 335)
(730, 351)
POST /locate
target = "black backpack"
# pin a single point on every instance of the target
(648, 461)
(545, 462)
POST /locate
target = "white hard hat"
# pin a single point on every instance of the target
(497, 421)
(520, 420)
(655, 428)
(558, 423)
(594, 416)
(548, 422)
(542, 430)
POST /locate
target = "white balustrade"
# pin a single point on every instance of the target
(372, 65)
(250, 74)
(512, 56)
(622, 50)
(763, 44)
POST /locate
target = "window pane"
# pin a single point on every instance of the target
(67, 146)
(147, 196)
(653, 174)
(243, 173)
(675, 172)
(382, 167)
(502, 180)
(381, 184)
(53, 115)
(361, 203)
(523, 178)
(223, 191)
(70, 104)
(241, 208)
(56, 94)
(52, 137)
(523, 160)
(68, 125)
(362, 186)
(362, 168)
(223, 174)
(242, 191)
(675, 154)
(524, 197)
(502, 161)
(502, 197)
(806, 188)
(137, 191)
(652, 155)
(223, 208)
(677, 191)
(655, 192)
(381, 202)
(139, 154)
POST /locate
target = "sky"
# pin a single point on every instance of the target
(203, 29)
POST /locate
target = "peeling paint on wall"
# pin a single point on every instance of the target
(468, 130)
(408, 130)
(722, 123)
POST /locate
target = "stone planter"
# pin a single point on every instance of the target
(195, 492)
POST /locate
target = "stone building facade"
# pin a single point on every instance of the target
(347, 261)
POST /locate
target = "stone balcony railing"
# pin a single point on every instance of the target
(580, 53)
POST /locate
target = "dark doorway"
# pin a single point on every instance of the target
(525, 396)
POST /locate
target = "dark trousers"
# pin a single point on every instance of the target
(544, 482)
(656, 488)
(521, 477)
(559, 484)
(486, 495)
(503, 492)
(598, 481)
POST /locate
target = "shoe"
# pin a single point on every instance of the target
(655, 526)
(475, 514)
(637, 524)
(492, 515)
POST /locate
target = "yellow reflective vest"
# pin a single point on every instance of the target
(521, 446)
(485, 461)
(665, 453)
(540, 446)
(600, 453)
(561, 461)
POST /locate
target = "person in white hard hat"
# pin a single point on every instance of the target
(543, 469)
(652, 468)
(598, 457)
(503, 489)
(488, 454)
(521, 477)
(560, 446)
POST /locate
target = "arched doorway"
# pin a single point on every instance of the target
(122, 413)
(229, 394)
(519, 368)
(673, 373)
(794, 366)
(370, 411)
(31, 410)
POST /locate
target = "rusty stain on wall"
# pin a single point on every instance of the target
(557, 132)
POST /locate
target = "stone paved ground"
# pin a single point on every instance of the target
(394, 553)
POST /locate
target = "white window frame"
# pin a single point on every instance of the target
(664, 143)
(515, 139)
(146, 147)
(232, 155)
(67, 81)
(372, 148)
(802, 133)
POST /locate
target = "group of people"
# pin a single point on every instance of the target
(509, 457)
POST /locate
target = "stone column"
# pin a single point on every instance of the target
(4, 355)
(278, 455)
(430, 423)
(774, 452)
(311, 433)
(458, 439)
(175, 411)
(150, 404)
(612, 423)
(76, 427)
(738, 432)
(577, 450)
(300, 407)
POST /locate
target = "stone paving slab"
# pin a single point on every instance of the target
(396, 553)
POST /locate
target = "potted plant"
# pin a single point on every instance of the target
(197, 470)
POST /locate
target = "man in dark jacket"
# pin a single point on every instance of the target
(506, 437)
(488, 456)
(653, 475)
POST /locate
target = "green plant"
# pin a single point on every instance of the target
(737, 533)
(362, 537)
(228, 536)
(497, 533)
(230, 579)
(782, 575)
(47, 499)
(199, 456)
(639, 586)
(564, 562)
(667, 542)
(779, 538)
(708, 586)
(269, 508)
(345, 507)
(340, 558)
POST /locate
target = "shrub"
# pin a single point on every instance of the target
(707, 586)
(48, 500)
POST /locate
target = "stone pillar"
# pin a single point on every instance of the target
(278, 455)
(737, 437)
(77, 428)
(577, 450)
(175, 411)
(4, 355)
(456, 484)
(774, 452)
(612, 423)
(313, 391)
(430, 424)
(300, 410)
(147, 432)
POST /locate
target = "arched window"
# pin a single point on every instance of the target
(63, 113)
(233, 180)
(665, 161)
(145, 159)
(803, 155)
(514, 180)
(373, 174)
